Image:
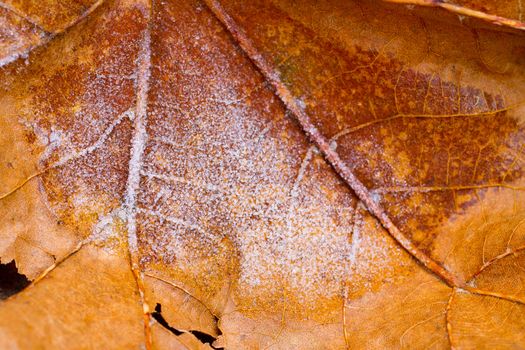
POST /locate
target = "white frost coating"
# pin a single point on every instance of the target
(300, 103)
(302, 170)
(356, 240)
(376, 197)
(43, 35)
(196, 183)
(104, 231)
(21, 54)
(295, 187)
(55, 139)
(41, 134)
(138, 143)
(101, 140)
(177, 221)
(333, 145)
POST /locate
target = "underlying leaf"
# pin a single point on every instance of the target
(25, 25)
(465, 134)
(83, 303)
(501, 12)
(176, 163)
(62, 122)
(52, 16)
(17, 35)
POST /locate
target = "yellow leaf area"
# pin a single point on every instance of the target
(261, 175)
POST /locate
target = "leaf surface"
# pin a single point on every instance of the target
(265, 175)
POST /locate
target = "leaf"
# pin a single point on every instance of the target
(27, 24)
(507, 13)
(266, 175)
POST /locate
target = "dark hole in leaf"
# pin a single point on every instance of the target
(203, 337)
(11, 282)
(160, 319)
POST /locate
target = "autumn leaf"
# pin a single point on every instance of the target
(262, 175)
